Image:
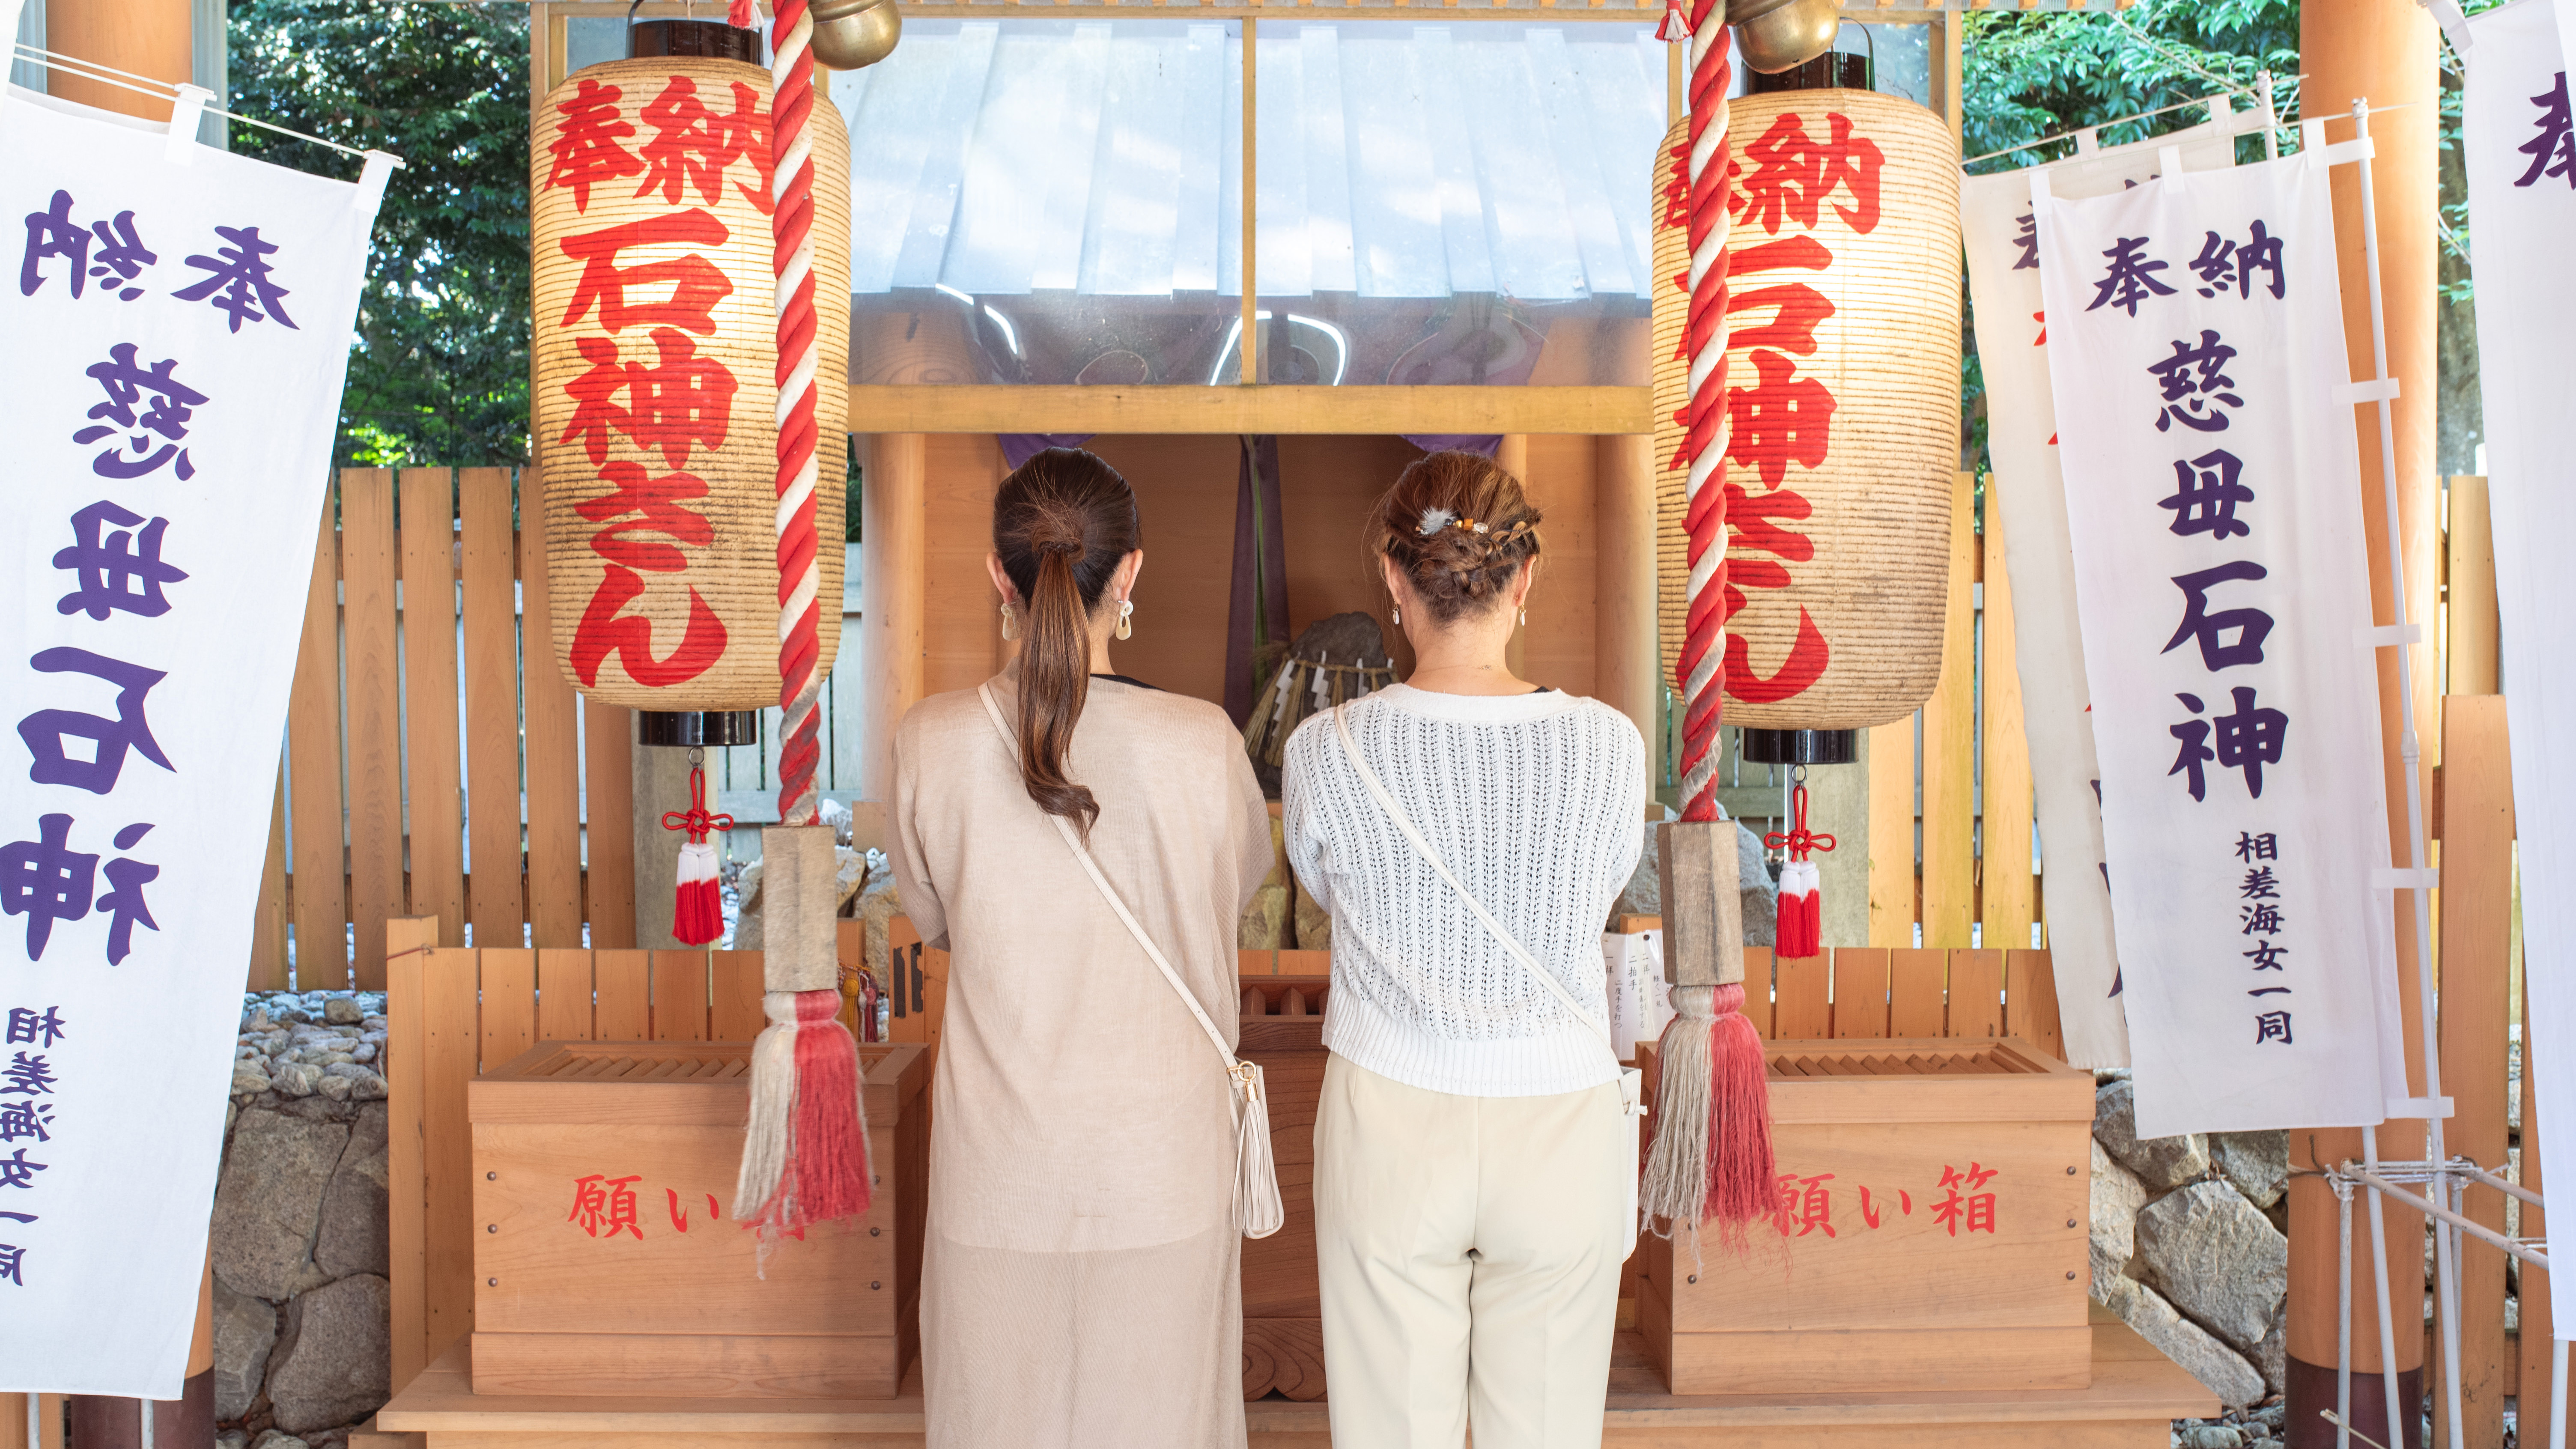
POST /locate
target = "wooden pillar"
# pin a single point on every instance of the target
(1513, 454)
(2382, 50)
(661, 782)
(1625, 665)
(144, 37)
(893, 537)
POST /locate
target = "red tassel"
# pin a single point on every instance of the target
(1740, 1167)
(1799, 929)
(743, 15)
(1800, 923)
(697, 910)
(830, 1152)
(1676, 26)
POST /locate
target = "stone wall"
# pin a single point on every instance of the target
(2189, 1244)
(303, 1312)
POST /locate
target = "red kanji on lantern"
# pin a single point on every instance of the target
(1793, 173)
(603, 631)
(604, 1206)
(677, 403)
(586, 151)
(1751, 521)
(1782, 419)
(696, 283)
(1977, 1208)
(656, 504)
(692, 145)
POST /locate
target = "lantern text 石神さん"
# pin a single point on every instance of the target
(1841, 405)
(656, 357)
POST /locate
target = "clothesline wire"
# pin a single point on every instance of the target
(2197, 102)
(108, 75)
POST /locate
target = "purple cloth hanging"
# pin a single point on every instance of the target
(1484, 443)
(1018, 448)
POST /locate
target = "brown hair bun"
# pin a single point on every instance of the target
(1459, 528)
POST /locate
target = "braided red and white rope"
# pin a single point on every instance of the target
(1701, 668)
(800, 360)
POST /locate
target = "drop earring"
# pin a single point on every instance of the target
(1010, 622)
(1525, 618)
(1126, 618)
(1398, 620)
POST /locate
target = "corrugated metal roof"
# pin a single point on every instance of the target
(1399, 159)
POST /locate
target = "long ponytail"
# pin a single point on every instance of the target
(1062, 522)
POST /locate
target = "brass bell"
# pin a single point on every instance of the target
(852, 34)
(1775, 35)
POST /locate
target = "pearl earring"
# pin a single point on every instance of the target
(1126, 618)
(1524, 618)
(1398, 620)
(1010, 622)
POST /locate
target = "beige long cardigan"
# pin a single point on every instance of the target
(1079, 1285)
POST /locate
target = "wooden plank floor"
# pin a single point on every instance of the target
(2135, 1392)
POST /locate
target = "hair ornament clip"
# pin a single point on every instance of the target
(1434, 520)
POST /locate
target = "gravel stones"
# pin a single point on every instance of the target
(342, 1011)
(335, 1361)
(2160, 1163)
(2217, 1258)
(268, 1202)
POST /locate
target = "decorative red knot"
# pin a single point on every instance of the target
(695, 819)
(1800, 840)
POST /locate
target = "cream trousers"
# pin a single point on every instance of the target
(1469, 1249)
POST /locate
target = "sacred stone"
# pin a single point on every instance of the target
(245, 1330)
(2218, 1259)
(352, 1238)
(2159, 1162)
(2218, 1367)
(269, 1203)
(2117, 1196)
(336, 1360)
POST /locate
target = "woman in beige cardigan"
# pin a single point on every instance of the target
(1079, 1281)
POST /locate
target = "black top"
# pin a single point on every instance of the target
(1123, 679)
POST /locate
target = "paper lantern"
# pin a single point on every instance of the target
(656, 353)
(1842, 403)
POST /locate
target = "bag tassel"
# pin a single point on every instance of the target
(697, 909)
(805, 1157)
(1801, 923)
(1258, 1209)
(1711, 1159)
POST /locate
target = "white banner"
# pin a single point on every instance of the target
(2212, 489)
(2026, 500)
(171, 356)
(2522, 208)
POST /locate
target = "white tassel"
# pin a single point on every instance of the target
(1676, 1178)
(1258, 1210)
(773, 1103)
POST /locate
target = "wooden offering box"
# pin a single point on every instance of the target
(1931, 1232)
(604, 1262)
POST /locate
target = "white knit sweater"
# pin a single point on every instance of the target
(1534, 802)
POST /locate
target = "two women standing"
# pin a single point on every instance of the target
(1473, 1162)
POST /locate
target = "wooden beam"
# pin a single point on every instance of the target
(1623, 620)
(2477, 957)
(937, 408)
(2469, 619)
(893, 549)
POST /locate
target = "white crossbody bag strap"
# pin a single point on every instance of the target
(1252, 1112)
(1369, 778)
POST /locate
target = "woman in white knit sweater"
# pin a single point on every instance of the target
(1473, 1162)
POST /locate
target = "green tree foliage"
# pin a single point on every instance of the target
(2033, 74)
(438, 370)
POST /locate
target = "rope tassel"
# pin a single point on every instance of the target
(1711, 1159)
(805, 1155)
